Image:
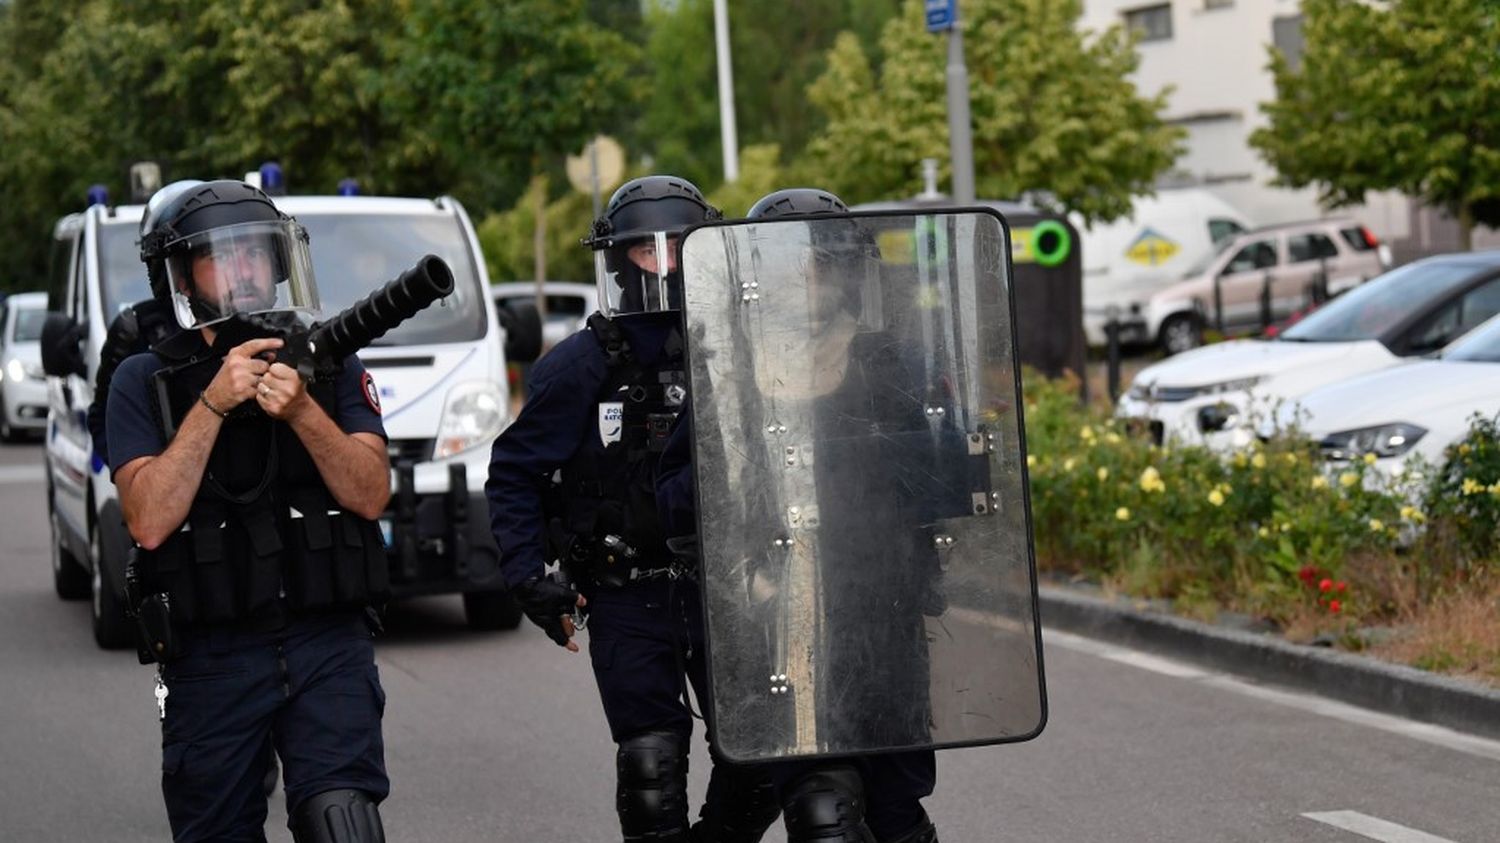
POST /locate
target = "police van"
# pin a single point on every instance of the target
(441, 379)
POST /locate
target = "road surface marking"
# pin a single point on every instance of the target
(1374, 828)
(1425, 732)
(21, 474)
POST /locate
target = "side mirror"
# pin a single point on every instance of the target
(523, 331)
(60, 354)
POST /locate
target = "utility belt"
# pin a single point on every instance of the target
(611, 562)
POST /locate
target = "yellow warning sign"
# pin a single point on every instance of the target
(1151, 249)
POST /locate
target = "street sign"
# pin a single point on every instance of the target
(941, 15)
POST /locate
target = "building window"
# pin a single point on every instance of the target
(1209, 5)
(1286, 36)
(1154, 23)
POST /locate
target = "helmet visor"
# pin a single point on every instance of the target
(640, 276)
(251, 267)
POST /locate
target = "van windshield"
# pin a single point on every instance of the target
(1368, 311)
(353, 254)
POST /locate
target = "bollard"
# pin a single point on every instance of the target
(1112, 353)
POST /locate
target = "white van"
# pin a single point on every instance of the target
(441, 377)
(1126, 261)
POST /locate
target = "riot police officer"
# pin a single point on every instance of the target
(874, 797)
(601, 403)
(251, 498)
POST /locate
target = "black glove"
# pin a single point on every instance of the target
(545, 601)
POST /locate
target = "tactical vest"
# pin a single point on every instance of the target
(601, 516)
(263, 534)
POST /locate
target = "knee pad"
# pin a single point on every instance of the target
(740, 805)
(651, 798)
(338, 816)
(827, 806)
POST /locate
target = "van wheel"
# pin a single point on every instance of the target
(112, 629)
(69, 577)
(489, 610)
(1181, 333)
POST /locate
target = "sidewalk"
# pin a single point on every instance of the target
(1354, 679)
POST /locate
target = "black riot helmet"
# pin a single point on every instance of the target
(796, 202)
(635, 243)
(218, 248)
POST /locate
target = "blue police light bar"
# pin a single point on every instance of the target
(98, 195)
(272, 181)
(348, 187)
(941, 15)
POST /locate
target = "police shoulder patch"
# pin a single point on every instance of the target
(372, 395)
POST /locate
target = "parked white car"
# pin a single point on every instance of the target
(569, 305)
(1416, 410)
(23, 384)
(1216, 395)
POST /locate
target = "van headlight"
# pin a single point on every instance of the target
(15, 370)
(1387, 440)
(473, 415)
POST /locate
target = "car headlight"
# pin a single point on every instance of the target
(15, 371)
(473, 415)
(1236, 385)
(1169, 394)
(1387, 440)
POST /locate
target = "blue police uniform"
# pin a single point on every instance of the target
(645, 626)
(304, 682)
(894, 783)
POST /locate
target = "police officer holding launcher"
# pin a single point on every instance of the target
(251, 498)
(872, 798)
(600, 407)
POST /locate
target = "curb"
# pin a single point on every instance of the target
(1357, 680)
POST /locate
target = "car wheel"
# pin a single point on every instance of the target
(69, 577)
(1181, 333)
(8, 433)
(112, 629)
(488, 610)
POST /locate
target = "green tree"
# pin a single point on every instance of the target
(1396, 95)
(1055, 114)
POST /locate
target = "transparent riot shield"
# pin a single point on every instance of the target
(867, 563)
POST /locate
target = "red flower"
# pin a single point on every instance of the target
(1325, 584)
(1334, 606)
(1341, 585)
(1307, 574)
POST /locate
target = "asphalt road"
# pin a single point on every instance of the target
(499, 737)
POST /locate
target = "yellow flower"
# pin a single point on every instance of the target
(1286, 527)
(1291, 459)
(1495, 488)
(1151, 480)
(1031, 460)
(1122, 514)
(1069, 463)
(1239, 460)
(1216, 497)
(1412, 514)
(1472, 486)
(1464, 449)
(1370, 459)
(1263, 532)
(1376, 525)
(1086, 432)
(1103, 474)
(1320, 482)
(1348, 479)
(1224, 487)
(1259, 460)
(1113, 438)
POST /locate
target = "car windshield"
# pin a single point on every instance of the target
(29, 324)
(353, 254)
(1202, 264)
(1481, 345)
(1373, 308)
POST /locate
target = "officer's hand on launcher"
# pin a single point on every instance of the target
(550, 605)
(239, 376)
(281, 392)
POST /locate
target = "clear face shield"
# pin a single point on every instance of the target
(248, 268)
(640, 276)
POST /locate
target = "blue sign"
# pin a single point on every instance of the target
(941, 15)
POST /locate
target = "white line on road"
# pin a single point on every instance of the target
(1425, 732)
(21, 474)
(1374, 828)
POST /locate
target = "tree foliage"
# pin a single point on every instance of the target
(1398, 95)
(1055, 115)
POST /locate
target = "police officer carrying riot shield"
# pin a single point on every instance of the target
(855, 457)
(251, 497)
(573, 480)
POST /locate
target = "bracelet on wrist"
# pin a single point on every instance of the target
(203, 397)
